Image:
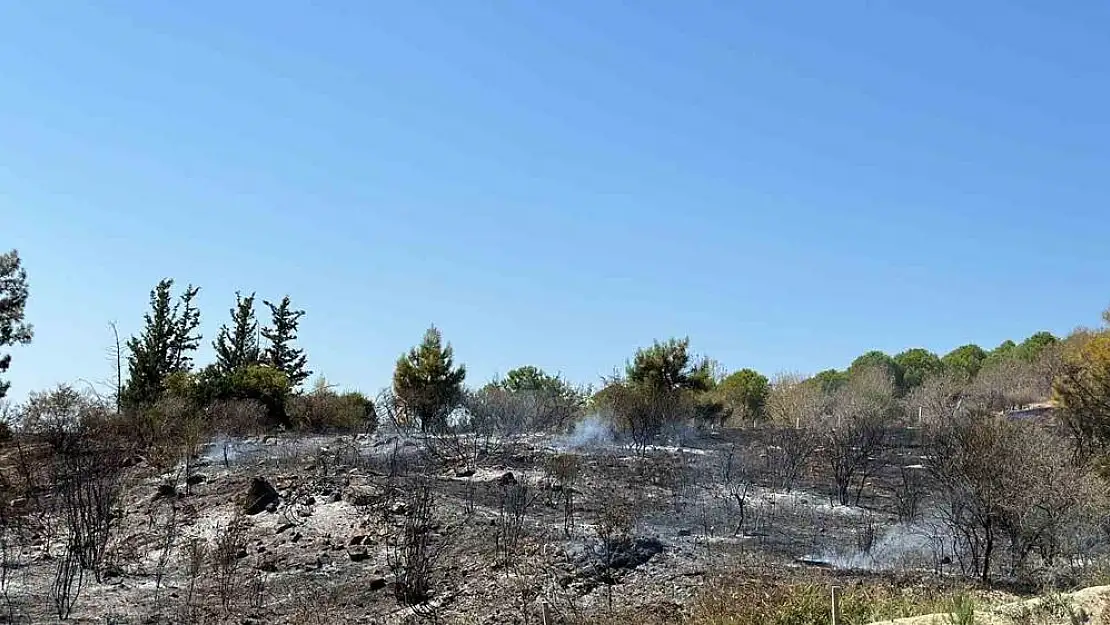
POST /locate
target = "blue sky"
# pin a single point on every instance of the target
(558, 183)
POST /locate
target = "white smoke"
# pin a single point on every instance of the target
(904, 546)
(593, 431)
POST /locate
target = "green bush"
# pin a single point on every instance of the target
(326, 411)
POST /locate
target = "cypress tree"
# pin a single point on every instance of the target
(164, 346)
(281, 334)
(237, 346)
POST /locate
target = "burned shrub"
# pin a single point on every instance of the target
(855, 429)
(644, 413)
(565, 469)
(87, 475)
(414, 550)
(1008, 487)
(514, 500)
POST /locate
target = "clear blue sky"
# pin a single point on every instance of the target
(557, 183)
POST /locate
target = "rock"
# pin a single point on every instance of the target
(685, 532)
(358, 556)
(399, 507)
(272, 507)
(196, 478)
(467, 472)
(260, 496)
(377, 583)
(356, 540)
(506, 478)
(165, 491)
(133, 461)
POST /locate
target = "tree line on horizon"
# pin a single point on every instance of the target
(263, 364)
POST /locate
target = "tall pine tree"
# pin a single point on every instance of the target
(165, 345)
(427, 383)
(237, 347)
(281, 354)
(13, 301)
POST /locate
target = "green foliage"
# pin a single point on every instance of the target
(744, 393)
(830, 380)
(666, 367)
(281, 333)
(963, 610)
(324, 410)
(13, 303)
(966, 360)
(427, 383)
(1032, 348)
(529, 378)
(1005, 349)
(875, 359)
(164, 346)
(260, 383)
(237, 346)
(916, 365)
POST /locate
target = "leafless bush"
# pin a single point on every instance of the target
(228, 548)
(167, 539)
(316, 604)
(10, 525)
(69, 580)
(739, 480)
(615, 525)
(908, 492)
(196, 553)
(88, 478)
(793, 401)
(565, 469)
(235, 419)
(59, 416)
(936, 399)
(789, 450)
(414, 552)
(853, 433)
(1007, 486)
(643, 414)
(513, 413)
(515, 498)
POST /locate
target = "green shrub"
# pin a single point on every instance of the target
(326, 411)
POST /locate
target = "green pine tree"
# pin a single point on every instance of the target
(427, 383)
(13, 303)
(237, 347)
(281, 334)
(165, 345)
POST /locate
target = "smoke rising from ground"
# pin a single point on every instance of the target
(593, 431)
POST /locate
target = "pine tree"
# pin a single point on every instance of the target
(427, 383)
(13, 302)
(164, 347)
(237, 347)
(281, 355)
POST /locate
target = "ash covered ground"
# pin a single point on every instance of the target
(313, 530)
